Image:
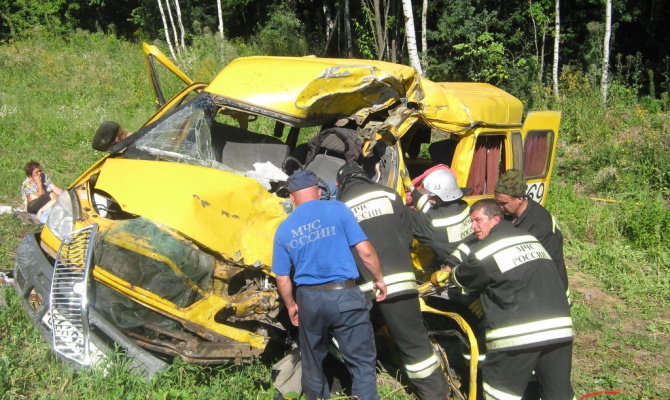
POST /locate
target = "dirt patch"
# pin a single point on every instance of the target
(627, 352)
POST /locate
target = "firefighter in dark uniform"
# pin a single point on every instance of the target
(527, 316)
(444, 221)
(443, 224)
(510, 193)
(387, 222)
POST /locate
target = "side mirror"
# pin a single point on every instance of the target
(106, 135)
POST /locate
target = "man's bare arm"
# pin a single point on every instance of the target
(285, 288)
(371, 261)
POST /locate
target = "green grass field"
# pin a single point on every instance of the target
(55, 93)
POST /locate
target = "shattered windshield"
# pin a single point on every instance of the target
(191, 136)
(184, 136)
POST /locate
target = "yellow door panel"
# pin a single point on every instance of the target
(540, 137)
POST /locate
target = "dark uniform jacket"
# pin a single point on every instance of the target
(522, 298)
(539, 222)
(443, 228)
(387, 222)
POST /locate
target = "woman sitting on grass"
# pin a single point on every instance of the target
(38, 192)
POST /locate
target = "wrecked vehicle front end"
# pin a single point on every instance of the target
(179, 219)
(163, 247)
(179, 260)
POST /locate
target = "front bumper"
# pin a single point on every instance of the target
(33, 274)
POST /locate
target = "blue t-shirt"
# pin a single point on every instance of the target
(316, 239)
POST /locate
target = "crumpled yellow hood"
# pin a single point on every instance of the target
(227, 213)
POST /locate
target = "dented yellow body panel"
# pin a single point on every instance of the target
(227, 213)
(310, 88)
(452, 106)
(200, 314)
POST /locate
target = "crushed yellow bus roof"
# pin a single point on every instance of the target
(310, 88)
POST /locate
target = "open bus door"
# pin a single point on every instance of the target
(540, 136)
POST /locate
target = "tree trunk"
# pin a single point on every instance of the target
(330, 24)
(410, 34)
(174, 28)
(378, 29)
(424, 35)
(557, 41)
(536, 40)
(220, 15)
(347, 31)
(394, 34)
(606, 47)
(330, 31)
(181, 24)
(540, 73)
(370, 16)
(166, 29)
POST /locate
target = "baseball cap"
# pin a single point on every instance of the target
(301, 180)
(512, 183)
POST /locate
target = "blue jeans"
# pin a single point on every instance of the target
(45, 215)
(344, 314)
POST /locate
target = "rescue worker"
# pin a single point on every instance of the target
(527, 316)
(314, 241)
(445, 223)
(510, 193)
(386, 221)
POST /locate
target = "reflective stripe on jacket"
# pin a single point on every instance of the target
(395, 283)
(388, 224)
(522, 296)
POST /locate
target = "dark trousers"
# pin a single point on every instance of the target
(405, 324)
(344, 314)
(506, 373)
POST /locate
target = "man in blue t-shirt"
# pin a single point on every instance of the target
(315, 242)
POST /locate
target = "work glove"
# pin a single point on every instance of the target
(440, 278)
(476, 308)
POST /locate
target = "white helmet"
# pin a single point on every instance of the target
(442, 183)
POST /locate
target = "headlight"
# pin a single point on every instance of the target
(61, 219)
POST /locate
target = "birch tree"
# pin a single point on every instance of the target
(174, 28)
(181, 25)
(557, 41)
(220, 15)
(410, 34)
(166, 29)
(424, 35)
(606, 48)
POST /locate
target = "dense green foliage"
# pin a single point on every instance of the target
(508, 43)
(57, 90)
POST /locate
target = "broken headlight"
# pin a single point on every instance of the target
(61, 219)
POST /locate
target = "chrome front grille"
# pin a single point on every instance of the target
(69, 297)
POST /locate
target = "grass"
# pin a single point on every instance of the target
(56, 92)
